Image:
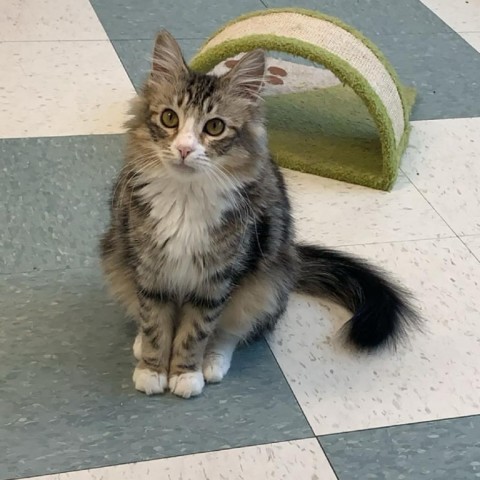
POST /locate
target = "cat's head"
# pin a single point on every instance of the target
(197, 124)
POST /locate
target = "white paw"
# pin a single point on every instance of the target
(149, 382)
(215, 366)
(137, 347)
(187, 385)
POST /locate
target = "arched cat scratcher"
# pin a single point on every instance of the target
(355, 131)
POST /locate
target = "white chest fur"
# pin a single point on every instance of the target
(184, 214)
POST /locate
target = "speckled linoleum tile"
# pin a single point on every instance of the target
(42, 20)
(142, 19)
(67, 400)
(54, 199)
(462, 16)
(61, 88)
(473, 39)
(136, 56)
(443, 162)
(473, 244)
(441, 450)
(443, 68)
(436, 375)
(373, 17)
(337, 213)
(281, 461)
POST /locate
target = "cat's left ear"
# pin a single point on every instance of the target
(246, 77)
(168, 63)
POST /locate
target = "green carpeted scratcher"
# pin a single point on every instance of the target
(351, 126)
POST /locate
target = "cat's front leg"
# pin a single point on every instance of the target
(152, 346)
(196, 325)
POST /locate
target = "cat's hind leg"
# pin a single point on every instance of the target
(119, 275)
(255, 306)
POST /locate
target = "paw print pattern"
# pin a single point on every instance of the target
(275, 74)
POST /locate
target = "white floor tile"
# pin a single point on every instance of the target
(337, 213)
(436, 376)
(61, 88)
(473, 243)
(300, 459)
(460, 15)
(473, 39)
(443, 161)
(41, 20)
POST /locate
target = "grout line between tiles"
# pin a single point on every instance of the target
(328, 459)
(470, 235)
(442, 19)
(167, 457)
(383, 427)
(68, 135)
(469, 249)
(123, 65)
(108, 39)
(431, 205)
(50, 270)
(386, 242)
(58, 40)
(290, 387)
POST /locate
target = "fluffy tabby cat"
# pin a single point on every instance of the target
(201, 247)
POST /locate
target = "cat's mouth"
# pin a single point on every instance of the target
(183, 167)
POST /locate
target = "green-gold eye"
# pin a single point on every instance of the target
(214, 127)
(169, 118)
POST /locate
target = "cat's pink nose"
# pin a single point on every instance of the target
(184, 150)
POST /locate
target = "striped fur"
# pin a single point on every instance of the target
(200, 249)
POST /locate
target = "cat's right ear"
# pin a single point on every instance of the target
(168, 63)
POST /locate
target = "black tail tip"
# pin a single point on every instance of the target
(374, 329)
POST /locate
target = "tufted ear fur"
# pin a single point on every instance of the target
(168, 63)
(246, 77)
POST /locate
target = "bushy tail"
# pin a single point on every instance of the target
(382, 311)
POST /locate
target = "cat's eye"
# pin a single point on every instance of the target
(169, 118)
(214, 127)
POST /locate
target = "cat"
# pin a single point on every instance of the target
(201, 248)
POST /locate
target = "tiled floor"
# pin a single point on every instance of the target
(295, 405)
